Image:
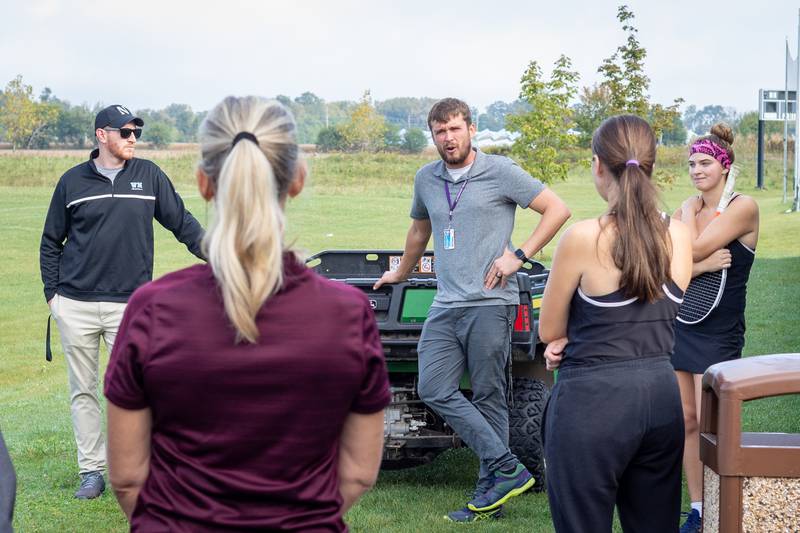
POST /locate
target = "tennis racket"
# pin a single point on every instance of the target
(705, 291)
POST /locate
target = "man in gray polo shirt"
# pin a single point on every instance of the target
(468, 202)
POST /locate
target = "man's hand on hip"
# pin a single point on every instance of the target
(504, 266)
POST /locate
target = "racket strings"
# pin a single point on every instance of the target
(701, 297)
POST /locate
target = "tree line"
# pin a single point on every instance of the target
(47, 121)
(551, 115)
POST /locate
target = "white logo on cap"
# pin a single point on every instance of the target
(123, 110)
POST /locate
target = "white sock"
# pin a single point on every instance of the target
(698, 506)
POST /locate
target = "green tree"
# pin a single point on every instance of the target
(309, 114)
(366, 127)
(663, 118)
(624, 77)
(184, 121)
(160, 134)
(623, 72)
(701, 120)
(747, 126)
(593, 108)
(495, 117)
(75, 126)
(406, 112)
(330, 140)
(391, 137)
(676, 134)
(338, 112)
(545, 129)
(22, 118)
(72, 127)
(414, 141)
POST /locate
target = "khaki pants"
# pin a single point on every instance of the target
(81, 324)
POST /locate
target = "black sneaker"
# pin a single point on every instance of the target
(693, 523)
(92, 485)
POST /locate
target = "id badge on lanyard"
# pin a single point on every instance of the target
(449, 237)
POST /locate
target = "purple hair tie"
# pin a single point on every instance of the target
(709, 147)
(632, 162)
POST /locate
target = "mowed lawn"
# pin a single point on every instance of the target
(351, 202)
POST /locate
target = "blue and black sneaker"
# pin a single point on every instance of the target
(466, 515)
(506, 485)
(693, 523)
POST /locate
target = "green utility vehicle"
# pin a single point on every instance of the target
(414, 434)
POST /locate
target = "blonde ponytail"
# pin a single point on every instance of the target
(244, 242)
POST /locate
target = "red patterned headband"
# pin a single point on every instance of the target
(709, 147)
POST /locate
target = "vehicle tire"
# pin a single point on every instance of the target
(525, 426)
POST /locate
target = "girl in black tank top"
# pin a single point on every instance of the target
(726, 240)
(612, 328)
(613, 427)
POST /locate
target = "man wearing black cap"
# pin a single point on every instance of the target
(96, 249)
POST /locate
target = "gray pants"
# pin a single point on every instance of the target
(475, 340)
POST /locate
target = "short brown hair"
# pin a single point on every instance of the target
(447, 108)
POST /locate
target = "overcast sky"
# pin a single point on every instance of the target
(148, 53)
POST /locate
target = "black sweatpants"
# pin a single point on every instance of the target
(613, 434)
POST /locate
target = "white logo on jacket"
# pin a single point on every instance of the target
(136, 186)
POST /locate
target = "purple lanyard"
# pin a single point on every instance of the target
(451, 203)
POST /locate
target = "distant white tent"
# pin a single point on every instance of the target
(482, 139)
(486, 138)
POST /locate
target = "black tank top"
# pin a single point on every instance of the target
(728, 316)
(610, 328)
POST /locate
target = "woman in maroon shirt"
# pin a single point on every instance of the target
(246, 393)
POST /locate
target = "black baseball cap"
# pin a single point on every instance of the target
(116, 116)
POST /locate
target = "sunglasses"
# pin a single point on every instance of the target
(126, 132)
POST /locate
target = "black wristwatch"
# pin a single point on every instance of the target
(521, 255)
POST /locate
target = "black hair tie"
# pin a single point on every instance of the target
(244, 135)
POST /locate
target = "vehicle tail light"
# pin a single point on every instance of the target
(523, 321)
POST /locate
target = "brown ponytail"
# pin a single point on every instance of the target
(642, 249)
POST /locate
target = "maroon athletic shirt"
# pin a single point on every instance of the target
(245, 436)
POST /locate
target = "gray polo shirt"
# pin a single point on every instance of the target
(482, 224)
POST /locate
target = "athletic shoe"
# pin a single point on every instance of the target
(465, 515)
(693, 522)
(479, 489)
(506, 485)
(92, 485)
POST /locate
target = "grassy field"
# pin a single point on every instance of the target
(351, 202)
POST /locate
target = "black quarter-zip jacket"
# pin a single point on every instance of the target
(97, 243)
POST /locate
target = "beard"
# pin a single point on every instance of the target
(458, 157)
(125, 152)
